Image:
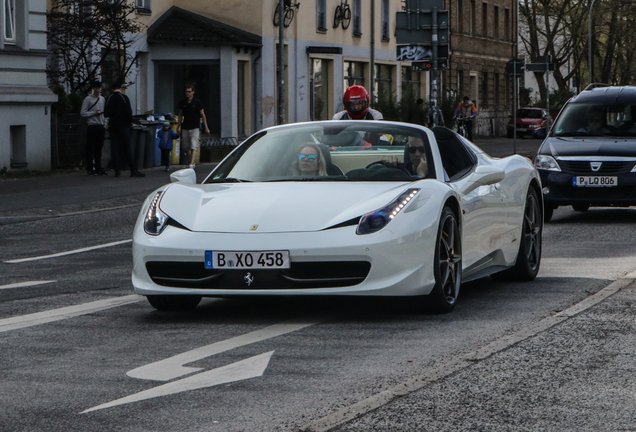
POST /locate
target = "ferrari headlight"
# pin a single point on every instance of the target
(375, 221)
(155, 220)
(546, 162)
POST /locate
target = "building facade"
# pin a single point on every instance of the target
(25, 99)
(229, 50)
(483, 39)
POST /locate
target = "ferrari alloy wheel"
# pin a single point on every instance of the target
(448, 265)
(173, 303)
(529, 255)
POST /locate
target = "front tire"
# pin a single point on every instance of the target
(529, 256)
(447, 265)
(173, 303)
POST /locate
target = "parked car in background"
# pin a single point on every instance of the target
(528, 120)
(589, 156)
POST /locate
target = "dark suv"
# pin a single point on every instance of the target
(589, 156)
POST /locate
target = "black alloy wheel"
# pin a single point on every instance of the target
(447, 265)
(529, 256)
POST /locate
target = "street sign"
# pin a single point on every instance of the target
(417, 28)
(515, 67)
(414, 5)
(420, 52)
(539, 67)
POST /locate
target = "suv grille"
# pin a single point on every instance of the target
(584, 167)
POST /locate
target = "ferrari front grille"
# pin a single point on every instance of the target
(330, 274)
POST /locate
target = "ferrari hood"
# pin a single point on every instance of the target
(589, 146)
(275, 206)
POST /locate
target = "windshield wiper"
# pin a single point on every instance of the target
(328, 178)
(228, 180)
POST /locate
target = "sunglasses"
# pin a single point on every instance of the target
(596, 120)
(309, 157)
(420, 149)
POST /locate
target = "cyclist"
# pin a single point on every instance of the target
(356, 103)
(468, 111)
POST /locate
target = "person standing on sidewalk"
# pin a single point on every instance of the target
(93, 111)
(191, 115)
(166, 136)
(119, 114)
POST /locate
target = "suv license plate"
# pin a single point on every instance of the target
(247, 260)
(594, 181)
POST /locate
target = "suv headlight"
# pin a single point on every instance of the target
(545, 162)
(376, 220)
(155, 220)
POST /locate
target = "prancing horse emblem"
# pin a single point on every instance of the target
(596, 165)
(248, 279)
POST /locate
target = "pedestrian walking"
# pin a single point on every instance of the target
(166, 135)
(119, 114)
(191, 115)
(93, 112)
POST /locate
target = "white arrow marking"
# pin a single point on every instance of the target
(170, 368)
(245, 369)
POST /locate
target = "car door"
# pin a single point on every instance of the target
(483, 208)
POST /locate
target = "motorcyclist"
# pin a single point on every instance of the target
(356, 103)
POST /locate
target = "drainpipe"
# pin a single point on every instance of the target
(372, 56)
(281, 59)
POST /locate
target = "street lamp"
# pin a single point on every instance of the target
(589, 43)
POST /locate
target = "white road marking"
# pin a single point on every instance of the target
(86, 249)
(170, 368)
(25, 284)
(245, 369)
(65, 312)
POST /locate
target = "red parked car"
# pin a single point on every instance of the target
(528, 119)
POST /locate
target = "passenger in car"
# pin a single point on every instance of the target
(309, 162)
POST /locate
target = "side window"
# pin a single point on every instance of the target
(457, 159)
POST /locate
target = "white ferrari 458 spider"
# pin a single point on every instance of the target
(341, 208)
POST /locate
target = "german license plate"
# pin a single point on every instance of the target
(595, 181)
(246, 260)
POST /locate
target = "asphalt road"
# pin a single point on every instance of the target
(80, 353)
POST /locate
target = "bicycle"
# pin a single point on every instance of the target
(289, 13)
(342, 15)
(461, 126)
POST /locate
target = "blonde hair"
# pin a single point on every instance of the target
(322, 165)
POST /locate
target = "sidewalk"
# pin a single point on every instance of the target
(56, 193)
(577, 375)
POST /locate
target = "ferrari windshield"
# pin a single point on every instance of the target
(594, 119)
(330, 151)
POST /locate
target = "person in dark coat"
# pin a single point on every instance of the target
(119, 114)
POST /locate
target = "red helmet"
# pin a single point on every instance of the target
(354, 95)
